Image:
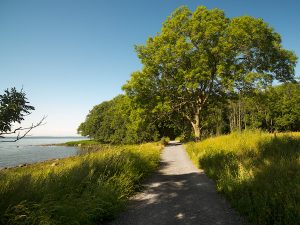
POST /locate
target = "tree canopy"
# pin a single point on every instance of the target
(203, 74)
(201, 57)
(117, 121)
(283, 107)
(13, 108)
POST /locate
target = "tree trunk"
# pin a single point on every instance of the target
(239, 116)
(197, 131)
(196, 127)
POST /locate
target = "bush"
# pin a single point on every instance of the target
(257, 172)
(165, 140)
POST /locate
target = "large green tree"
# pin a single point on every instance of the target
(202, 56)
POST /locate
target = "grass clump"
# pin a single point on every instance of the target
(165, 140)
(85, 189)
(259, 173)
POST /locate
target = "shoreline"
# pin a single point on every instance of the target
(38, 149)
(69, 144)
(44, 153)
(34, 163)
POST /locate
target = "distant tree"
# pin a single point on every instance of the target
(284, 107)
(274, 108)
(201, 57)
(117, 121)
(14, 107)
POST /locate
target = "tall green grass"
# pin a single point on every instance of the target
(259, 173)
(85, 189)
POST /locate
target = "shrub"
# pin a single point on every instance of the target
(165, 140)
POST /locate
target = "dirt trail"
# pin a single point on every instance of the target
(178, 194)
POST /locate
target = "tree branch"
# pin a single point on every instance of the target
(19, 129)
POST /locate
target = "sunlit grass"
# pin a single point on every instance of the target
(258, 172)
(85, 189)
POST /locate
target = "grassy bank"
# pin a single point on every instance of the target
(258, 172)
(86, 189)
(82, 143)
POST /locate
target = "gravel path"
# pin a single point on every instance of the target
(178, 194)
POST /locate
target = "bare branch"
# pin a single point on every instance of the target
(19, 129)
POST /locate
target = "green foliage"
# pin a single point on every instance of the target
(257, 172)
(86, 189)
(182, 138)
(165, 140)
(275, 108)
(117, 121)
(283, 107)
(13, 108)
(215, 119)
(200, 57)
(204, 75)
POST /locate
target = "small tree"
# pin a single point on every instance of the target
(14, 107)
(203, 56)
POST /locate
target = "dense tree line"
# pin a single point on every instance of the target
(120, 121)
(274, 109)
(117, 121)
(203, 74)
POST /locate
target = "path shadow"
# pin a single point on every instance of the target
(187, 199)
(174, 143)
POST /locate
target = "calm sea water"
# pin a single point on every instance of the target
(29, 150)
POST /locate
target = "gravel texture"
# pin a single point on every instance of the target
(178, 193)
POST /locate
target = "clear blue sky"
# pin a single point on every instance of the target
(70, 55)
